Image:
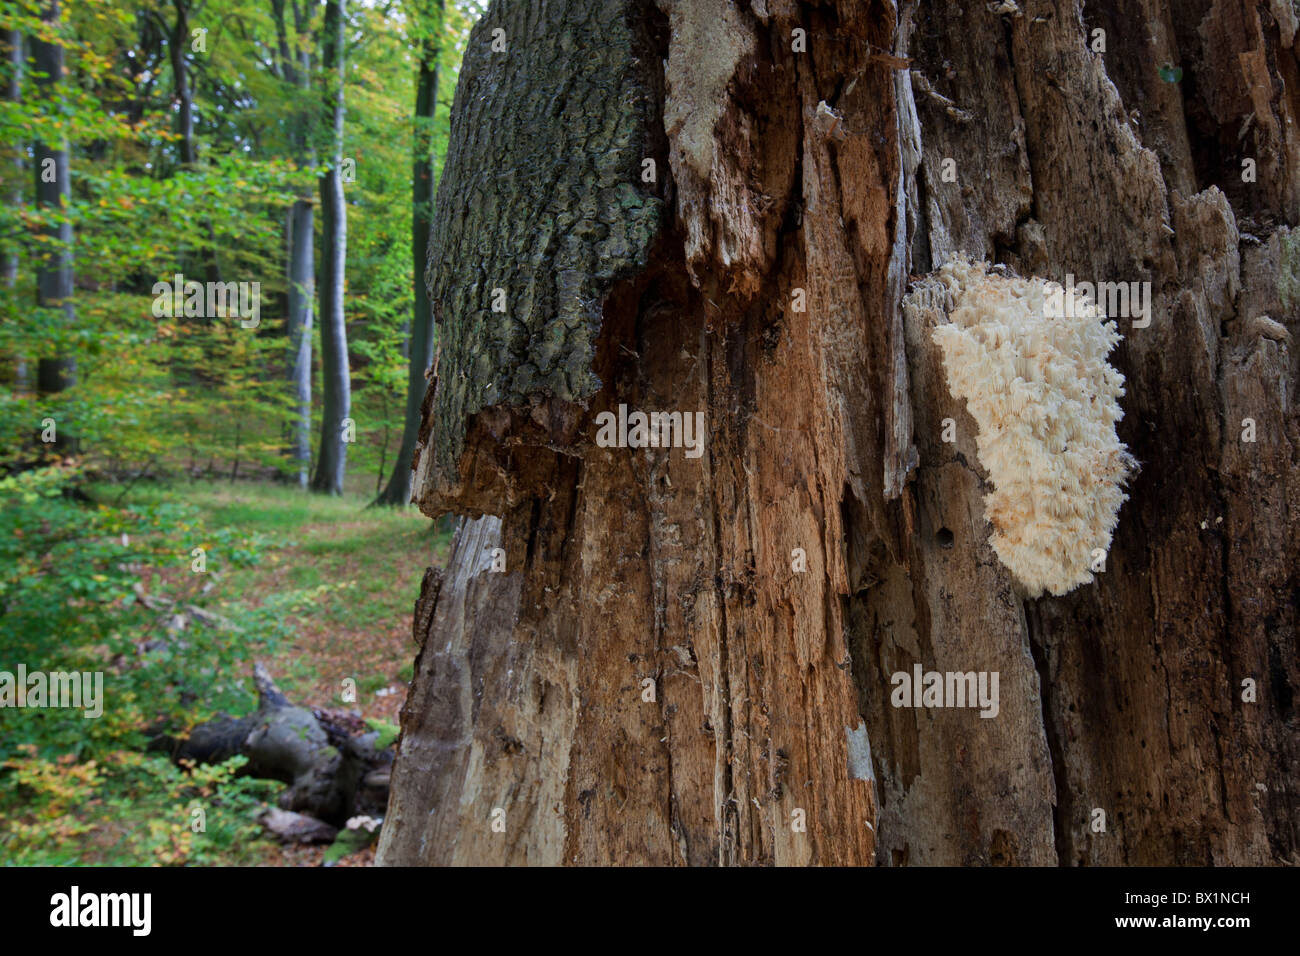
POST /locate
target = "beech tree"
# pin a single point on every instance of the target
(292, 64)
(638, 656)
(331, 462)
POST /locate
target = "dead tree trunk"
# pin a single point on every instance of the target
(675, 659)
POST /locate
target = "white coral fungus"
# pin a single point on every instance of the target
(1034, 377)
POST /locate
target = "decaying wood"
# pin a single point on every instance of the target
(332, 766)
(653, 678)
(297, 827)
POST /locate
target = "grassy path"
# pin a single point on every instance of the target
(356, 572)
(351, 575)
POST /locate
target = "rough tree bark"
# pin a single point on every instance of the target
(652, 678)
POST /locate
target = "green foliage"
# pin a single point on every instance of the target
(95, 559)
(137, 810)
(206, 395)
(77, 790)
(92, 588)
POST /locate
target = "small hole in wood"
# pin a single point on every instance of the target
(944, 537)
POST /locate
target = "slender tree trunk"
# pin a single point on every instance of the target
(285, 63)
(294, 67)
(301, 292)
(336, 381)
(234, 467)
(180, 74)
(419, 342)
(189, 153)
(637, 655)
(53, 191)
(13, 51)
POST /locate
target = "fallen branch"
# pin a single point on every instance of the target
(331, 764)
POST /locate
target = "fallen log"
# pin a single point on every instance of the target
(329, 760)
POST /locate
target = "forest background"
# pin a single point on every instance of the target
(213, 338)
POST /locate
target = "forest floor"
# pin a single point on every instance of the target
(320, 590)
(339, 578)
(361, 568)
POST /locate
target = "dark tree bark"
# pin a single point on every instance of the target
(53, 190)
(12, 47)
(654, 677)
(420, 338)
(336, 381)
(13, 54)
(180, 38)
